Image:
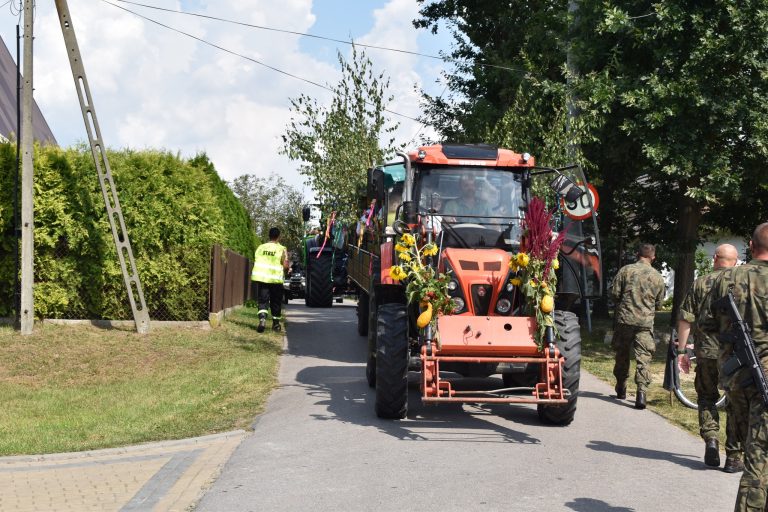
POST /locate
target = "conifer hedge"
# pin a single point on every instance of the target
(174, 210)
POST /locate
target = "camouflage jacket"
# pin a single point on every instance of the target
(706, 346)
(637, 291)
(750, 292)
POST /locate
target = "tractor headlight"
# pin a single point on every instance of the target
(453, 285)
(458, 304)
(503, 306)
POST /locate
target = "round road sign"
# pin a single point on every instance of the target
(580, 209)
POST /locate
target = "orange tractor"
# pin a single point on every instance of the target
(468, 204)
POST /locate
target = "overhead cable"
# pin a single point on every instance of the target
(255, 61)
(285, 31)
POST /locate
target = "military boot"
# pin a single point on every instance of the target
(640, 400)
(276, 325)
(712, 453)
(262, 323)
(733, 465)
(621, 391)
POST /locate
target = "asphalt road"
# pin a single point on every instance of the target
(319, 446)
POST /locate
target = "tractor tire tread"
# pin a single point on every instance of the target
(569, 344)
(392, 361)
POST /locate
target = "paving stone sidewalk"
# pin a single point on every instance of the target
(168, 475)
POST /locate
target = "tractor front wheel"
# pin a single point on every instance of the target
(569, 344)
(392, 361)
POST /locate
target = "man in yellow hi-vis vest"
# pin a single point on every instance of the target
(269, 266)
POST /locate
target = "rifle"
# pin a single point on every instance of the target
(744, 351)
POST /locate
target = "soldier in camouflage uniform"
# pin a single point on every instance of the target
(749, 285)
(706, 349)
(637, 292)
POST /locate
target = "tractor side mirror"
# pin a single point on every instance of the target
(563, 186)
(305, 213)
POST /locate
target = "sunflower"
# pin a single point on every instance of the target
(397, 273)
(523, 259)
(516, 281)
(404, 256)
(401, 248)
(429, 250)
(408, 240)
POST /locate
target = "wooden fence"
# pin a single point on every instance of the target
(230, 283)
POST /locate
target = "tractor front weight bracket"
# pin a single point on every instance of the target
(435, 389)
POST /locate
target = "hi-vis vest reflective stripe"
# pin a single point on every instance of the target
(267, 264)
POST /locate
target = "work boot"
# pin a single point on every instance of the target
(640, 400)
(621, 391)
(276, 326)
(712, 453)
(262, 323)
(733, 465)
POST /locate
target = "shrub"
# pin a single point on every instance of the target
(174, 211)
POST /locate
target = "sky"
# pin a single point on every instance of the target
(155, 88)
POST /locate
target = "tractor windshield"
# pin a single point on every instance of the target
(471, 207)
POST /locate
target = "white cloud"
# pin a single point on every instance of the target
(155, 88)
(393, 29)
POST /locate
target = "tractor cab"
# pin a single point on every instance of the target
(475, 197)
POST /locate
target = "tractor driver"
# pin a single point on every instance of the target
(469, 203)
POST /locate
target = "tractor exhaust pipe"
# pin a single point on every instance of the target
(409, 207)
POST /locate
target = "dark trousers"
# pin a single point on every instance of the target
(272, 294)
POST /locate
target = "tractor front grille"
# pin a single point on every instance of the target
(481, 298)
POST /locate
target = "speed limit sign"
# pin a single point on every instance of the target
(581, 209)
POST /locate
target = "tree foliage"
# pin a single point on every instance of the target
(174, 212)
(338, 143)
(498, 47)
(271, 202)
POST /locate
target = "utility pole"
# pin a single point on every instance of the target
(16, 184)
(27, 312)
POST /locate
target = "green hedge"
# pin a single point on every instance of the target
(174, 211)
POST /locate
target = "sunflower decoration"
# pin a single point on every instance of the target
(535, 265)
(424, 285)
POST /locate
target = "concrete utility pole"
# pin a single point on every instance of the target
(27, 313)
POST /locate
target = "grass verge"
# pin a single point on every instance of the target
(79, 388)
(598, 357)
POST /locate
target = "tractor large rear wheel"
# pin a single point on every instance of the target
(569, 343)
(319, 284)
(392, 361)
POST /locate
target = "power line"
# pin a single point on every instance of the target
(231, 52)
(285, 31)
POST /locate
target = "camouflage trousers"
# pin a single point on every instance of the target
(750, 416)
(639, 340)
(707, 377)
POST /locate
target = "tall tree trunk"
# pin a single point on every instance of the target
(689, 217)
